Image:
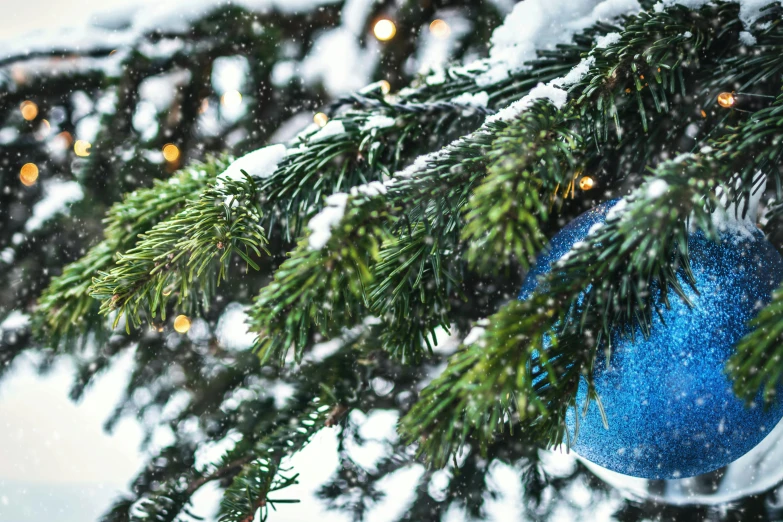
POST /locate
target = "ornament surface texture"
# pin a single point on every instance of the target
(670, 407)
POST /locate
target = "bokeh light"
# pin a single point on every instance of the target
(726, 99)
(170, 152)
(586, 183)
(28, 174)
(44, 129)
(440, 29)
(63, 140)
(29, 110)
(320, 119)
(231, 99)
(182, 324)
(82, 148)
(384, 29)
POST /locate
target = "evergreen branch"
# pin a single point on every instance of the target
(119, 511)
(647, 59)
(178, 256)
(166, 486)
(478, 392)
(173, 496)
(319, 289)
(534, 155)
(526, 241)
(413, 282)
(376, 104)
(417, 274)
(620, 300)
(756, 145)
(756, 365)
(318, 168)
(66, 304)
(250, 490)
(363, 153)
(619, 266)
(753, 147)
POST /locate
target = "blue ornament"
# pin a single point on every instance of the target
(669, 405)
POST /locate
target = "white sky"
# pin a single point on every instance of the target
(19, 17)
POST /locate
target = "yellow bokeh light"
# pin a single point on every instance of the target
(29, 110)
(384, 29)
(320, 119)
(231, 99)
(170, 152)
(586, 183)
(385, 87)
(726, 99)
(82, 148)
(440, 29)
(182, 324)
(28, 174)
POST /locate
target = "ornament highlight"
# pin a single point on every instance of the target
(670, 408)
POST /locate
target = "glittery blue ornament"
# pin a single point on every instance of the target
(669, 405)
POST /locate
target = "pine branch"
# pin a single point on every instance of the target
(301, 300)
(318, 289)
(429, 196)
(295, 189)
(754, 147)
(534, 155)
(648, 58)
(119, 511)
(413, 282)
(174, 496)
(250, 491)
(186, 256)
(66, 308)
(417, 274)
(268, 433)
(368, 150)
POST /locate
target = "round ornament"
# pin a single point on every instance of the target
(670, 408)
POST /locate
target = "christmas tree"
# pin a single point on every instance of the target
(296, 195)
